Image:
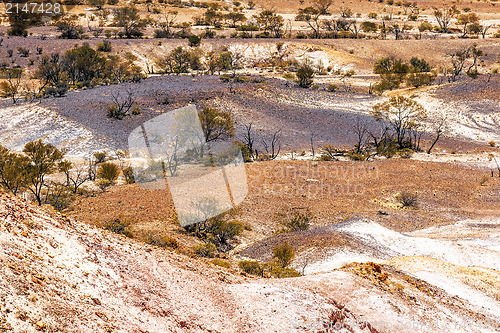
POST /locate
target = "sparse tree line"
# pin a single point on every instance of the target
(81, 66)
(418, 72)
(319, 16)
(42, 172)
(395, 72)
(401, 124)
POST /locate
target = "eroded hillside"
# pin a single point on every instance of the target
(59, 275)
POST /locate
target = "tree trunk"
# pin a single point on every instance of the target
(434, 143)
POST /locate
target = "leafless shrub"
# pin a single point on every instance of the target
(120, 106)
(407, 199)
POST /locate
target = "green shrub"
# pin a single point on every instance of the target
(472, 74)
(369, 26)
(206, 250)
(194, 41)
(128, 174)
(221, 263)
(332, 87)
(222, 232)
(358, 156)
(59, 196)
(162, 241)
(108, 171)
(405, 153)
(387, 148)
(23, 52)
(284, 254)
(275, 270)
(324, 157)
(305, 75)
(136, 110)
(59, 90)
(245, 151)
(105, 46)
(295, 220)
(419, 79)
(100, 156)
(251, 267)
(120, 226)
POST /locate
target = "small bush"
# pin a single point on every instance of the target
(128, 174)
(284, 253)
(105, 46)
(162, 241)
(325, 158)
(103, 184)
(305, 75)
(419, 79)
(59, 90)
(206, 250)
(491, 143)
(223, 232)
(407, 199)
(358, 156)
(23, 52)
(473, 74)
(120, 226)
(136, 110)
(405, 153)
(295, 220)
(332, 87)
(275, 270)
(108, 171)
(194, 41)
(100, 156)
(251, 267)
(60, 197)
(221, 263)
(484, 180)
(113, 111)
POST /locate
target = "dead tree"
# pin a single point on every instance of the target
(360, 129)
(484, 30)
(498, 167)
(439, 126)
(312, 144)
(248, 140)
(273, 148)
(76, 177)
(120, 106)
(172, 159)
